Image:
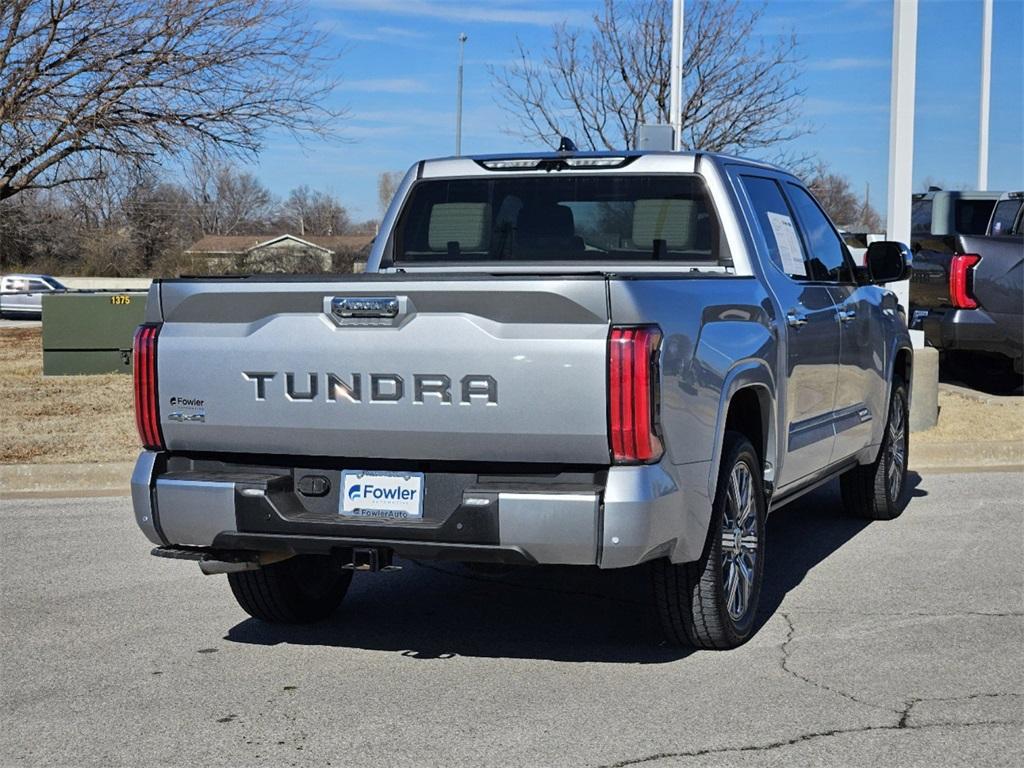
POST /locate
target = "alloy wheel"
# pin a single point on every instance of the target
(896, 448)
(740, 536)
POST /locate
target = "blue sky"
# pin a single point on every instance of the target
(398, 81)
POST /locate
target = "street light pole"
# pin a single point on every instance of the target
(676, 76)
(986, 90)
(463, 37)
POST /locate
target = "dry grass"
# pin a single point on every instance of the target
(966, 420)
(56, 419)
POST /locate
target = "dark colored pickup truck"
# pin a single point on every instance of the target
(967, 293)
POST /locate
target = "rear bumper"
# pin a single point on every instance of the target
(975, 330)
(612, 518)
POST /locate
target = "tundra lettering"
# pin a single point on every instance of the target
(384, 387)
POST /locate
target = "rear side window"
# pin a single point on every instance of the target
(555, 218)
(1004, 216)
(921, 217)
(828, 254)
(972, 216)
(777, 226)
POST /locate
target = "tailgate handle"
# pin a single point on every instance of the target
(364, 306)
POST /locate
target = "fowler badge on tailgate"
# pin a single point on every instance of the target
(382, 495)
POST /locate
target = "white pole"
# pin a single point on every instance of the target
(986, 90)
(901, 134)
(676, 76)
(463, 37)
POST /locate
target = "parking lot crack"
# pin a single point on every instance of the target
(904, 721)
(805, 737)
(786, 664)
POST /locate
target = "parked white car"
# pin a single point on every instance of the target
(22, 295)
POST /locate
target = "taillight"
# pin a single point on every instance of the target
(147, 408)
(633, 393)
(960, 282)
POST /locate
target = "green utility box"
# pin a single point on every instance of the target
(90, 331)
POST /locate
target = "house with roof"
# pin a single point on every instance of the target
(279, 253)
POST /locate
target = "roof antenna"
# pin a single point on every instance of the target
(565, 144)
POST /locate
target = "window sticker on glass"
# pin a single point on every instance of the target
(790, 252)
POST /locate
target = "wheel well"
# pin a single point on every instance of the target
(747, 417)
(903, 365)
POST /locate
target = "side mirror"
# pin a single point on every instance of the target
(887, 262)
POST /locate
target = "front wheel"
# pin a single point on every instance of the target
(875, 491)
(299, 590)
(713, 603)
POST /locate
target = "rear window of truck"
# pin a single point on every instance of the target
(558, 218)
(972, 216)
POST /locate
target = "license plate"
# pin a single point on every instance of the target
(382, 495)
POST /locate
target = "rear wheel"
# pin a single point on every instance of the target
(299, 590)
(875, 491)
(713, 603)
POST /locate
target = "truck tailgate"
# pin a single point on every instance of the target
(486, 369)
(998, 280)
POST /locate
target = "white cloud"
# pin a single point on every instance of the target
(385, 32)
(386, 85)
(832, 107)
(848, 62)
(494, 12)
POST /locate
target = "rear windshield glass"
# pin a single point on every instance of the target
(972, 216)
(559, 218)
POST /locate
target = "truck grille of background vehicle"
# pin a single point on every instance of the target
(633, 394)
(147, 405)
(961, 274)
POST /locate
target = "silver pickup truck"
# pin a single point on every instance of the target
(573, 358)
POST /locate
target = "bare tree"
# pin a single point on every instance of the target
(599, 86)
(840, 202)
(98, 202)
(37, 228)
(227, 201)
(312, 212)
(160, 216)
(82, 80)
(387, 186)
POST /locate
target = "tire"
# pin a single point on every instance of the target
(875, 491)
(300, 590)
(702, 604)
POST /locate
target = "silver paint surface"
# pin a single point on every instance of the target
(823, 387)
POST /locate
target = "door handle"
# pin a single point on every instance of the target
(796, 318)
(846, 315)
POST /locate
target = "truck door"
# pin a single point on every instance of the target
(861, 390)
(811, 325)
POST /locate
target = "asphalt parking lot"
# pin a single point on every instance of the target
(894, 644)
